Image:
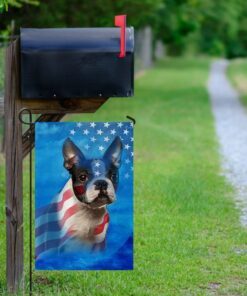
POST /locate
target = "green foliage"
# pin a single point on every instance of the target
(175, 20)
(20, 3)
(220, 25)
(79, 13)
(217, 28)
(4, 4)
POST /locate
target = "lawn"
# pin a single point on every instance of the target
(238, 74)
(188, 240)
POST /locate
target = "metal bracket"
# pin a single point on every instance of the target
(30, 123)
(29, 112)
(132, 119)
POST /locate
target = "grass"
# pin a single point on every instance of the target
(188, 240)
(238, 74)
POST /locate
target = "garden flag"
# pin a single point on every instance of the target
(84, 196)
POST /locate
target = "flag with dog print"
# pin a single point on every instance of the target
(84, 196)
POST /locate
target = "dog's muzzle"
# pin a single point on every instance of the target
(101, 186)
(100, 192)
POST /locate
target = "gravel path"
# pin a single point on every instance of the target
(231, 127)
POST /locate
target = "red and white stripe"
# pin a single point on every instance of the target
(67, 206)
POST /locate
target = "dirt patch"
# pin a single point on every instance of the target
(41, 280)
(241, 84)
(140, 74)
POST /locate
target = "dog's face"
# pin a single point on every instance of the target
(94, 180)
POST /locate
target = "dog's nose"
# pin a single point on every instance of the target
(101, 185)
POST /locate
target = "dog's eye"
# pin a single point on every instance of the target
(83, 177)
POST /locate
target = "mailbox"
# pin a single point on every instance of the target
(76, 63)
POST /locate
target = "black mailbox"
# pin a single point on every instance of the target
(76, 63)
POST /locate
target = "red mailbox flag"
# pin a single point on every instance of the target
(120, 21)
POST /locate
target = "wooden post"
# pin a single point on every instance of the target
(13, 149)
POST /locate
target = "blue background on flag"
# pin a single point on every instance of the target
(93, 138)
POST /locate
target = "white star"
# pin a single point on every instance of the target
(132, 124)
(127, 161)
(126, 176)
(87, 146)
(127, 146)
(132, 168)
(113, 132)
(85, 132)
(132, 139)
(106, 139)
(126, 132)
(92, 124)
(101, 148)
(72, 132)
(120, 124)
(97, 164)
(79, 124)
(93, 139)
(106, 124)
(99, 132)
(132, 154)
(97, 173)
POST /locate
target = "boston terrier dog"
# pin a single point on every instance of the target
(93, 183)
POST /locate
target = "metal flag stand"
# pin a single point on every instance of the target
(29, 136)
(30, 123)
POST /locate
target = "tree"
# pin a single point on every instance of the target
(210, 27)
(80, 13)
(219, 26)
(4, 4)
(213, 26)
(174, 22)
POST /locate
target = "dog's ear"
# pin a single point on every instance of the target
(114, 152)
(71, 154)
